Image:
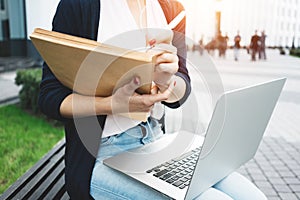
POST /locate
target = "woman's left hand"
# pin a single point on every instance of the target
(166, 65)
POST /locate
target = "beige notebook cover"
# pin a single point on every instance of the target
(90, 68)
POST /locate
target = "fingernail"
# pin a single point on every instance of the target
(174, 83)
(152, 42)
(136, 81)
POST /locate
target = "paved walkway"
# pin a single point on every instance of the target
(276, 166)
(8, 89)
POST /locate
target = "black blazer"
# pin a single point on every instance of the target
(81, 18)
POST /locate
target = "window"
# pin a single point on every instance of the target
(2, 5)
(280, 41)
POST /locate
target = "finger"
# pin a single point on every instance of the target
(157, 36)
(167, 58)
(170, 68)
(165, 48)
(162, 96)
(129, 89)
(154, 89)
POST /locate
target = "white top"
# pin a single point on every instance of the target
(118, 27)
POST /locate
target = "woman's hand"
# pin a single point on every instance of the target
(126, 100)
(167, 63)
(166, 66)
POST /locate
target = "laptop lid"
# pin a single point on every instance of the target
(234, 133)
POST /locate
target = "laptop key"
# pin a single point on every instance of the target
(160, 173)
(178, 183)
(182, 186)
(165, 176)
(184, 179)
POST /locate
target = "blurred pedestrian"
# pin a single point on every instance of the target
(237, 46)
(222, 44)
(254, 45)
(262, 50)
(201, 46)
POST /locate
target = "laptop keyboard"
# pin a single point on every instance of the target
(177, 171)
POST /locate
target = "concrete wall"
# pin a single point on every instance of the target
(39, 14)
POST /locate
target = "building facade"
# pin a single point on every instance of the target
(18, 18)
(280, 19)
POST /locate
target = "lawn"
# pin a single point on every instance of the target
(24, 139)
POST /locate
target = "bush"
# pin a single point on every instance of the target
(30, 80)
(295, 52)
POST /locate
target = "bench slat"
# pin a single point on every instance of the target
(13, 190)
(49, 182)
(27, 189)
(65, 196)
(58, 191)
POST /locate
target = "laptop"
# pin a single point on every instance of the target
(182, 165)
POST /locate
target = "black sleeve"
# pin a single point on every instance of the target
(52, 92)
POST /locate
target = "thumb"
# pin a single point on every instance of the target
(130, 88)
(157, 36)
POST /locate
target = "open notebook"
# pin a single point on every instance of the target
(90, 68)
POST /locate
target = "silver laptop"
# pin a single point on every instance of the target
(182, 165)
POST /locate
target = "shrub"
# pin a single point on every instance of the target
(295, 52)
(30, 80)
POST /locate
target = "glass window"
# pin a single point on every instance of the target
(2, 5)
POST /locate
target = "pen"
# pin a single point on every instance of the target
(172, 24)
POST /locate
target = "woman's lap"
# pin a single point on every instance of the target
(108, 183)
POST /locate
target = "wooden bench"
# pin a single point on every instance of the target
(45, 180)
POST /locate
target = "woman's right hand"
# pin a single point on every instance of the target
(125, 99)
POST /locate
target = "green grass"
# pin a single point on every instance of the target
(24, 139)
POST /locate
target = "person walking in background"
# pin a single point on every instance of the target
(201, 46)
(222, 44)
(254, 45)
(262, 50)
(237, 46)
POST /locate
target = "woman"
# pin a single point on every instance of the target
(86, 177)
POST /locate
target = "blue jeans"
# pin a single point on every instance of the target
(107, 183)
